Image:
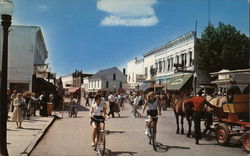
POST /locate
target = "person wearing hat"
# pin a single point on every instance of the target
(199, 103)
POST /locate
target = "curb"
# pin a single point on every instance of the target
(38, 138)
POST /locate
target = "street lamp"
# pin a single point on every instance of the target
(6, 8)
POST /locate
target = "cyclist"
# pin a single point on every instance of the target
(154, 108)
(97, 114)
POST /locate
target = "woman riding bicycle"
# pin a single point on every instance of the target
(97, 114)
(154, 107)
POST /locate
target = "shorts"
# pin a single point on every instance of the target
(153, 113)
(101, 119)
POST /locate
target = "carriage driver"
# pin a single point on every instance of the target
(198, 107)
(97, 114)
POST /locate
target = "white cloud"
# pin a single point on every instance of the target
(43, 7)
(128, 12)
(118, 21)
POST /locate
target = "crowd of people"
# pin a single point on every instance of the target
(24, 105)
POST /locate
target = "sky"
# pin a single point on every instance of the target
(91, 35)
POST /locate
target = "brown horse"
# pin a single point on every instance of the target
(182, 110)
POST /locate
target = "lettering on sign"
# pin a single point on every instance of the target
(177, 82)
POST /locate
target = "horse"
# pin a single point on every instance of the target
(182, 110)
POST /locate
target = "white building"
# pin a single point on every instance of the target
(136, 74)
(111, 79)
(163, 58)
(67, 81)
(26, 50)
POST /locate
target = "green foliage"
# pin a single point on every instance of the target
(223, 47)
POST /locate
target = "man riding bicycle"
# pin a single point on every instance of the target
(154, 107)
(97, 114)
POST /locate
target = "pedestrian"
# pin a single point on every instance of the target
(198, 107)
(87, 100)
(34, 103)
(43, 100)
(136, 106)
(28, 104)
(116, 107)
(111, 100)
(164, 101)
(17, 113)
(12, 98)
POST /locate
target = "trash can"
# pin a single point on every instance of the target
(49, 108)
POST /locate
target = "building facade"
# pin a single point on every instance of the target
(67, 81)
(27, 49)
(111, 79)
(160, 64)
(136, 74)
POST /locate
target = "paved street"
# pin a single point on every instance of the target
(72, 136)
(20, 139)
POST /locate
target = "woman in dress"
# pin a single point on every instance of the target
(17, 114)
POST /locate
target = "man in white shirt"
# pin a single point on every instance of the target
(111, 100)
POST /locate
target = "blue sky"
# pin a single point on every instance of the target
(98, 34)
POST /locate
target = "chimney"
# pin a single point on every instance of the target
(124, 71)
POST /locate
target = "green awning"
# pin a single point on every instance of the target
(177, 82)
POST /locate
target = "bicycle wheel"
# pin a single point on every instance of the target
(101, 143)
(149, 136)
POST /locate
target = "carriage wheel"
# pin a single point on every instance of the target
(222, 134)
(246, 140)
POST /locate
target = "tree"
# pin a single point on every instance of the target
(223, 47)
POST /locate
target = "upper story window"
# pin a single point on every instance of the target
(184, 59)
(107, 84)
(114, 76)
(160, 66)
(190, 59)
(177, 59)
(146, 72)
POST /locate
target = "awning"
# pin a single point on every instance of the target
(177, 82)
(144, 86)
(73, 89)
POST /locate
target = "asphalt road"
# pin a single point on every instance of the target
(72, 137)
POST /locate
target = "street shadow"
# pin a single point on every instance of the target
(117, 153)
(164, 148)
(31, 128)
(123, 117)
(80, 108)
(12, 130)
(108, 132)
(208, 137)
(34, 120)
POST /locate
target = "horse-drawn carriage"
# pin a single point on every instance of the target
(234, 120)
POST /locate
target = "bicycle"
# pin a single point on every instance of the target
(100, 138)
(151, 129)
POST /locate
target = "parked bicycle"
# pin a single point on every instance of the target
(100, 142)
(150, 131)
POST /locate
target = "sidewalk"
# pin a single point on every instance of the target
(23, 140)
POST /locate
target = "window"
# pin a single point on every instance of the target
(146, 72)
(164, 65)
(160, 66)
(107, 84)
(120, 85)
(172, 63)
(114, 77)
(177, 59)
(183, 59)
(190, 59)
(168, 68)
